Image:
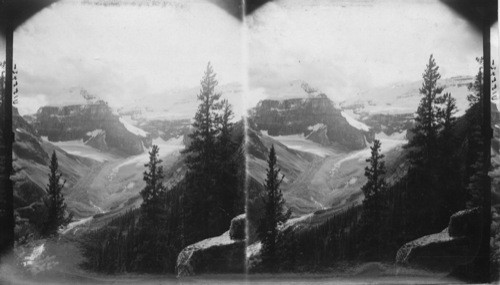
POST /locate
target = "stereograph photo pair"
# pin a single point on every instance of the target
(270, 141)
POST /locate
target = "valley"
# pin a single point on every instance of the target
(113, 182)
(321, 149)
(333, 179)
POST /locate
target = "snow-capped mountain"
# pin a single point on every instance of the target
(94, 124)
(315, 117)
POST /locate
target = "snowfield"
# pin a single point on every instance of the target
(165, 148)
(348, 115)
(316, 127)
(133, 129)
(95, 133)
(300, 143)
(75, 224)
(79, 148)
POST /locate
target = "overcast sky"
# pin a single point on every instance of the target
(342, 48)
(123, 53)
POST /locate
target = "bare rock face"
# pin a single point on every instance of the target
(301, 115)
(81, 122)
(238, 227)
(456, 245)
(222, 254)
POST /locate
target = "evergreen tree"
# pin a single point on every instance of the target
(201, 162)
(423, 142)
(447, 115)
(476, 169)
(476, 87)
(153, 250)
(275, 214)
(228, 159)
(423, 151)
(450, 195)
(154, 191)
(54, 202)
(475, 173)
(372, 228)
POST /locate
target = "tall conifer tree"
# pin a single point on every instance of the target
(450, 196)
(227, 156)
(275, 213)
(423, 142)
(372, 230)
(201, 160)
(423, 151)
(154, 191)
(476, 174)
(54, 202)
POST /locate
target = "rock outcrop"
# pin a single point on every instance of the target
(455, 245)
(465, 223)
(222, 254)
(237, 231)
(80, 122)
(301, 115)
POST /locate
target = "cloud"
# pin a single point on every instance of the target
(345, 48)
(29, 105)
(121, 53)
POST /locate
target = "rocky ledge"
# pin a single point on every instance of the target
(455, 245)
(221, 254)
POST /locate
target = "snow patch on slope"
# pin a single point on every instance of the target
(387, 143)
(79, 148)
(95, 133)
(133, 129)
(353, 122)
(165, 148)
(300, 143)
(315, 127)
(75, 224)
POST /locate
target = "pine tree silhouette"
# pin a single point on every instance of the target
(54, 202)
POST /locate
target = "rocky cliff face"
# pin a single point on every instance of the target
(94, 123)
(308, 116)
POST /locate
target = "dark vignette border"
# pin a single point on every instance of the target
(481, 14)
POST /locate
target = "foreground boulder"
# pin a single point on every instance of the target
(221, 254)
(465, 223)
(238, 226)
(443, 251)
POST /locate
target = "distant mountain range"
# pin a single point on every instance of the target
(321, 144)
(95, 124)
